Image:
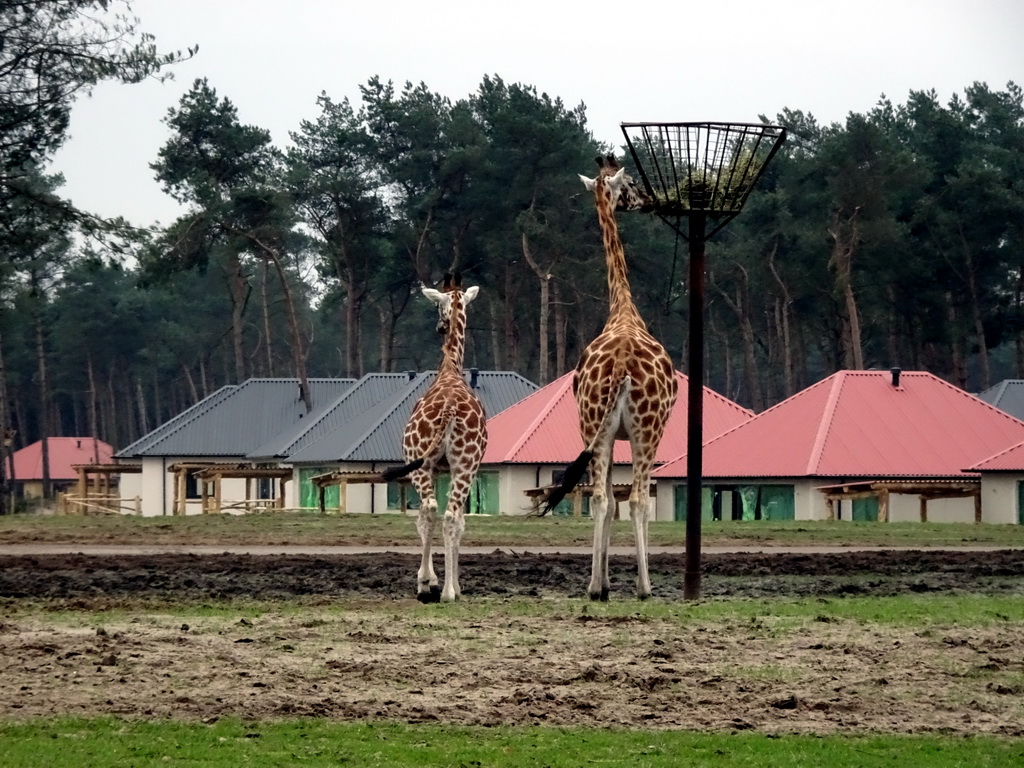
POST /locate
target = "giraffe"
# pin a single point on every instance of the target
(447, 430)
(625, 388)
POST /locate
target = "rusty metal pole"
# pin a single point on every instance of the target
(695, 409)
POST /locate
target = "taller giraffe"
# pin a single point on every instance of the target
(625, 387)
(447, 430)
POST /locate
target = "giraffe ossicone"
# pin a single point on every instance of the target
(447, 430)
(625, 388)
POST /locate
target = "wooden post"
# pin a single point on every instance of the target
(321, 495)
(216, 493)
(577, 502)
(138, 505)
(83, 484)
(342, 496)
(977, 506)
(179, 493)
(883, 505)
(203, 496)
(831, 504)
(403, 499)
(248, 493)
(924, 508)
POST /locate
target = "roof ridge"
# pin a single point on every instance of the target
(825, 424)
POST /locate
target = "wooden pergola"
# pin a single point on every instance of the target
(93, 488)
(344, 479)
(211, 476)
(620, 491)
(925, 490)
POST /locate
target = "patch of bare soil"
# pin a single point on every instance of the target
(362, 648)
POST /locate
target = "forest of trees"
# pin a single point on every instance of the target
(895, 238)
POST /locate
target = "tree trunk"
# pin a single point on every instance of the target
(6, 439)
(545, 312)
(561, 325)
(973, 305)
(785, 315)
(1018, 305)
(238, 286)
(511, 327)
(741, 308)
(141, 404)
(94, 422)
(44, 387)
(846, 238)
(352, 340)
(958, 353)
(496, 334)
(265, 299)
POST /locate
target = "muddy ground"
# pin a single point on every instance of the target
(342, 637)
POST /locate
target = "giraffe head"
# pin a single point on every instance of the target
(624, 193)
(451, 299)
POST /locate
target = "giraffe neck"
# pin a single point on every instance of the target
(453, 349)
(622, 309)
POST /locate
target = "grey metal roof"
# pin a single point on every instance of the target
(357, 399)
(1007, 396)
(376, 434)
(235, 420)
(140, 446)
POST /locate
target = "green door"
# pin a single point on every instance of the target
(777, 502)
(866, 509)
(483, 496)
(706, 503)
(309, 497)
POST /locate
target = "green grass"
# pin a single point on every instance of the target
(310, 529)
(110, 742)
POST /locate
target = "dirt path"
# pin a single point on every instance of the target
(360, 647)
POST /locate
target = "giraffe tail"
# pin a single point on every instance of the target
(394, 473)
(575, 471)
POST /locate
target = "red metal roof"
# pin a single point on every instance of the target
(64, 453)
(1009, 460)
(857, 424)
(543, 428)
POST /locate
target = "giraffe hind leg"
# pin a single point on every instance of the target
(427, 588)
(454, 526)
(601, 510)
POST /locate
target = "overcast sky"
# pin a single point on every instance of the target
(655, 60)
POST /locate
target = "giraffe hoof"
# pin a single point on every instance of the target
(433, 595)
(602, 595)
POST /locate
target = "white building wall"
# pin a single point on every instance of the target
(157, 487)
(999, 498)
(906, 508)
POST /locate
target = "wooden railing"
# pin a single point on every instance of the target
(73, 504)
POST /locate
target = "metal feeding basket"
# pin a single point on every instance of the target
(703, 173)
(703, 169)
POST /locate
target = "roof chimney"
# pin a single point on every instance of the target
(473, 374)
(895, 376)
(411, 375)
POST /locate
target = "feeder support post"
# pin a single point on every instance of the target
(695, 409)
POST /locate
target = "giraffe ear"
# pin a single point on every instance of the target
(588, 183)
(433, 294)
(470, 294)
(619, 174)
